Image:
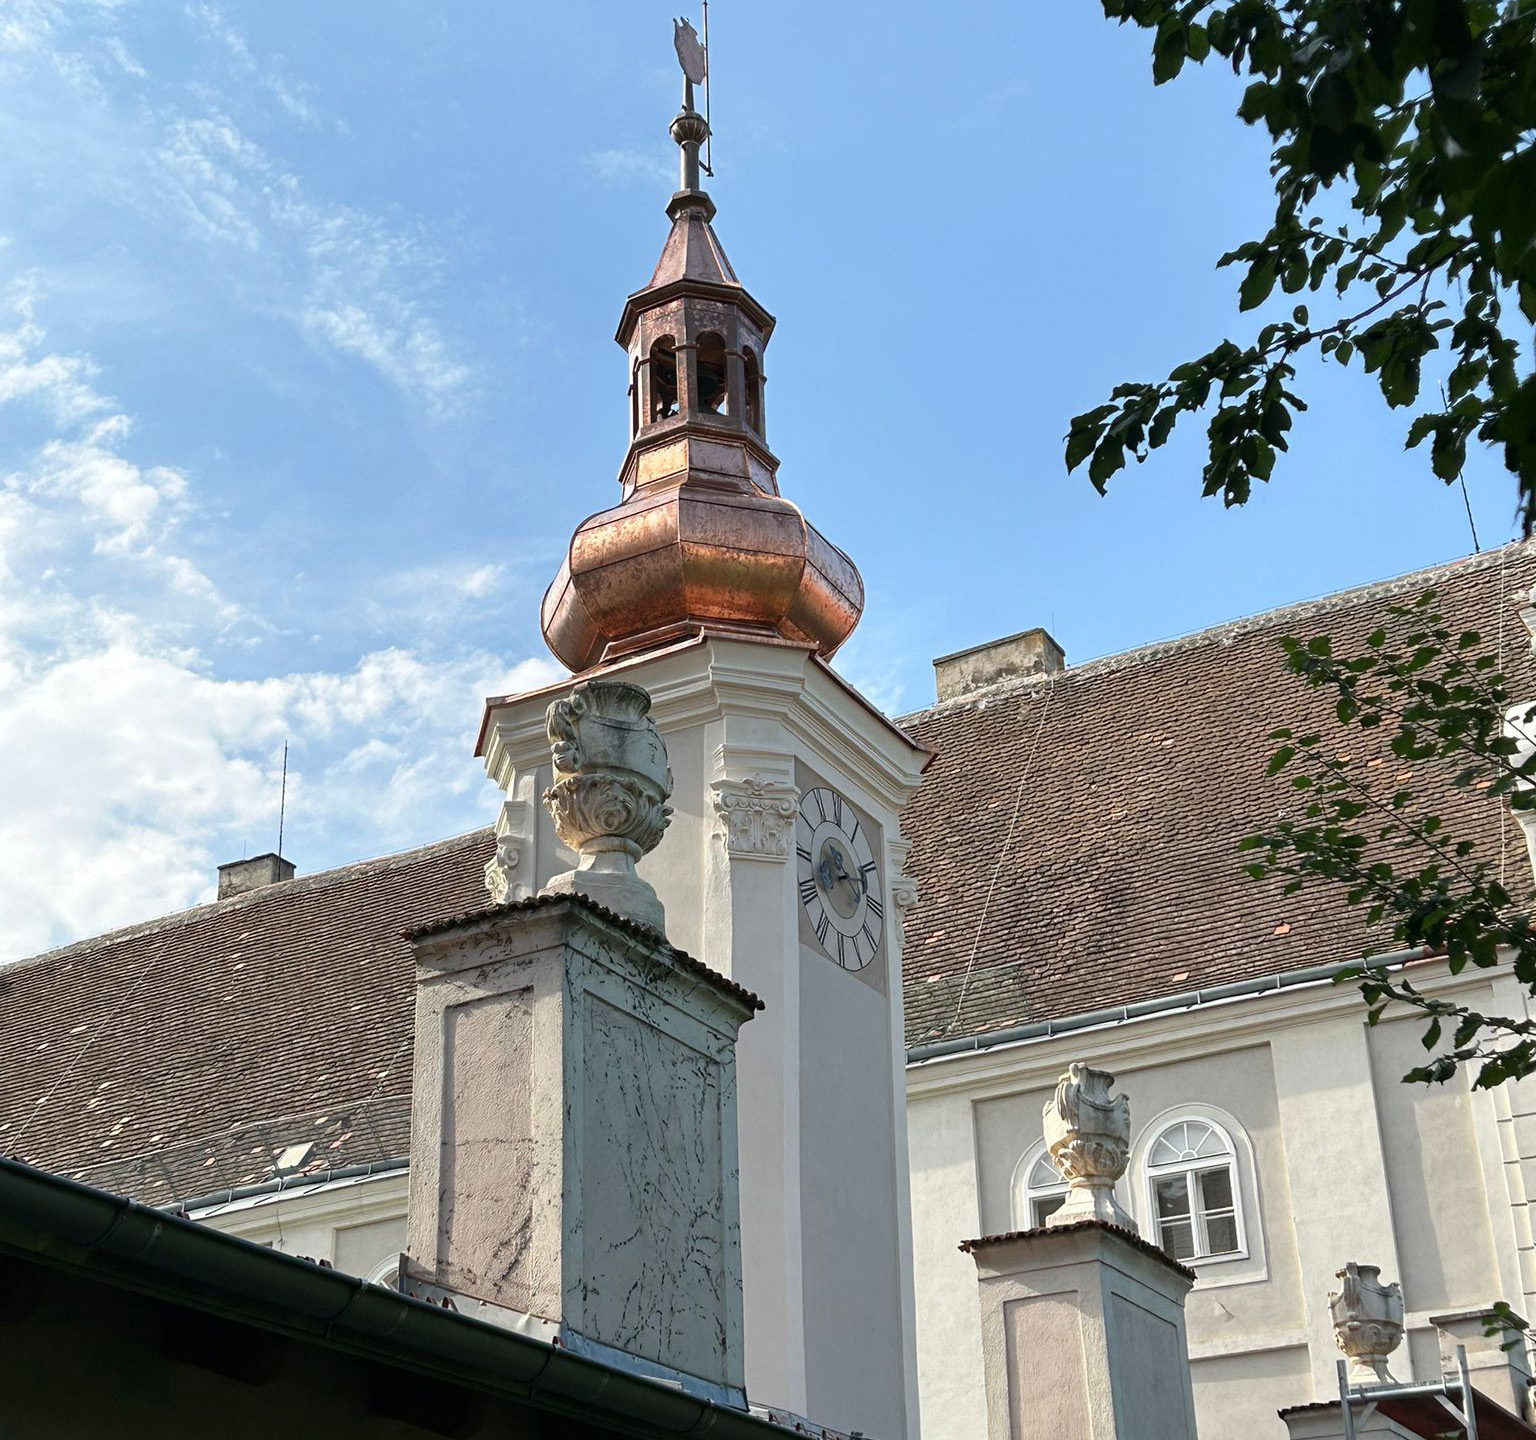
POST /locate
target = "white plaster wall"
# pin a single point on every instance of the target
(951, 1381)
(361, 1221)
(852, 1292)
(1439, 1201)
(1347, 1164)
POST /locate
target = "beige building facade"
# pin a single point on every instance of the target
(1331, 1158)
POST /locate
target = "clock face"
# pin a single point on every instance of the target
(839, 879)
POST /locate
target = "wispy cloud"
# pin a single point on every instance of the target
(180, 159)
(623, 167)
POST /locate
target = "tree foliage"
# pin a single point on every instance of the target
(1431, 704)
(1424, 113)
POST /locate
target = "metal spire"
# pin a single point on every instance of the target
(689, 129)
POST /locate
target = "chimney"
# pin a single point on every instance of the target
(1016, 657)
(573, 1125)
(240, 876)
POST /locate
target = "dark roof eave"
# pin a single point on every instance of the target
(60, 1224)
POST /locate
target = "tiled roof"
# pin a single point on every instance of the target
(1127, 784)
(187, 1038)
(180, 1057)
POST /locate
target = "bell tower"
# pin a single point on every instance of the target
(784, 865)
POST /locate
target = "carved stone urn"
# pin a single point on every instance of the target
(609, 798)
(1088, 1135)
(1367, 1321)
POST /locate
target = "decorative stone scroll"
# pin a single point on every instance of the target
(757, 817)
(1088, 1135)
(506, 873)
(609, 799)
(903, 887)
(1367, 1321)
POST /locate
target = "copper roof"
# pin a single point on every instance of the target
(1134, 779)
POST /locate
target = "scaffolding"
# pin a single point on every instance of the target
(1372, 1395)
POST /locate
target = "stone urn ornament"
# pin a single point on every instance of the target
(1088, 1135)
(609, 797)
(1367, 1322)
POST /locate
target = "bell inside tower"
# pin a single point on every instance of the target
(663, 380)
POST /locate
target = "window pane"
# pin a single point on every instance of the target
(1043, 1173)
(1177, 1237)
(1170, 1146)
(1044, 1206)
(1172, 1195)
(1216, 1189)
(1209, 1142)
(1221, 1234)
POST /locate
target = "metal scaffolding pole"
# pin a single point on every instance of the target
(1465, 1416)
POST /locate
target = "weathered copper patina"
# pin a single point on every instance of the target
(702, 539)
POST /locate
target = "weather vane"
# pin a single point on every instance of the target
(693, 56)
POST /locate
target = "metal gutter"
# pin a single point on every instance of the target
(1184, 1000)
(288, 1182)
(62, 1224)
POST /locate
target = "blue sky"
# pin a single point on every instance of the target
(307, 373)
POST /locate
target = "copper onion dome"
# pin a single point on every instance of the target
(702, 539)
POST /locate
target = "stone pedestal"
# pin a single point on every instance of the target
(573, 1139)
(1082, 1331)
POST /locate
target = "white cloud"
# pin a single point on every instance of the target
(133, 766)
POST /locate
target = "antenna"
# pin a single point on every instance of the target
(709, 136)
(282, 804)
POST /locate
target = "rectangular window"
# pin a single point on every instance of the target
(1175, 1223)
(1218, 1211)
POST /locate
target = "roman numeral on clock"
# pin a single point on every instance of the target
(808, 889)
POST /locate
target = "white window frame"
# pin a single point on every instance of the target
(1190, 1168)
(1025, 1194)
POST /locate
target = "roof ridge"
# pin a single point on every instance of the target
(1230, 629)
(300, 883)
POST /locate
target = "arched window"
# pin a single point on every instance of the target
(710, 359)
(1038, 1189)
(1193, 1195)
(663, 362)
(754, 383)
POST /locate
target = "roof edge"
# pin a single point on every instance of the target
(1232, 629)
(300, 883)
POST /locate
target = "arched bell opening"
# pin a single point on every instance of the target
(663, 387)
(710, 359)
(753, 385)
